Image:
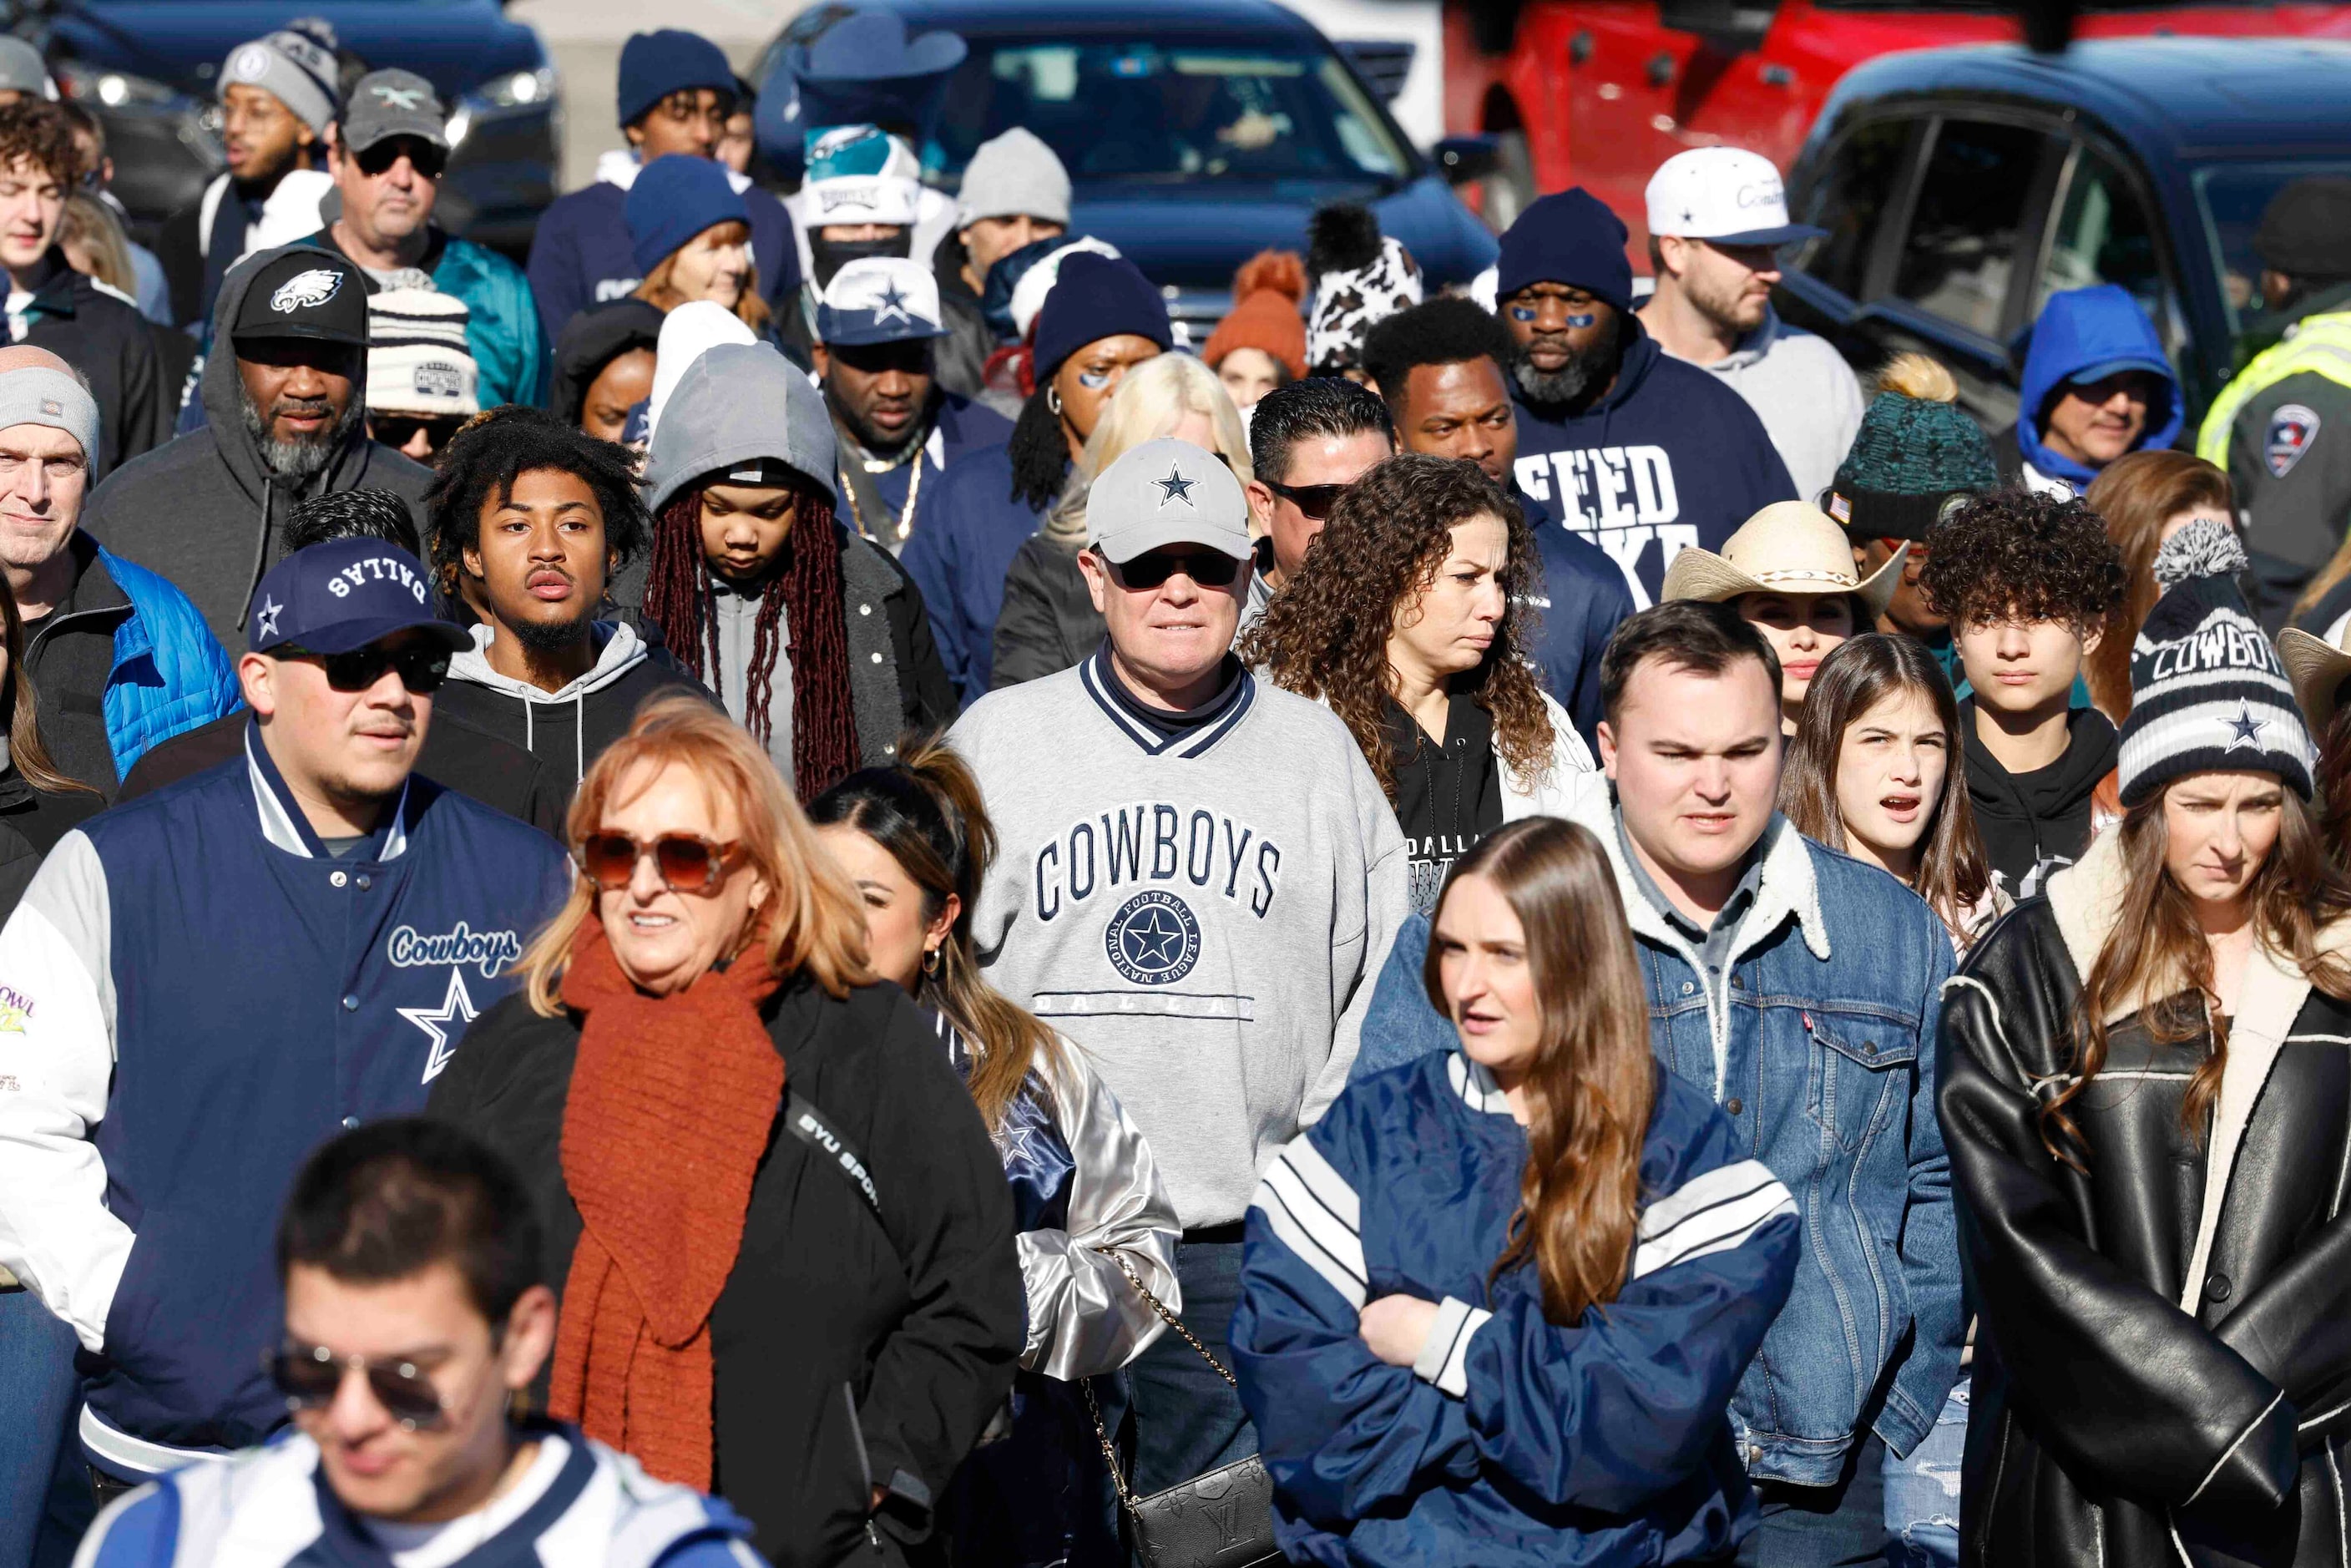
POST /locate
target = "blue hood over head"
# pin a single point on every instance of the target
(2082, 331)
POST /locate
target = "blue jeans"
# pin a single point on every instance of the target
(38, 1388)
(1187, 1419)
(1840, 1526)
(1922, 1491)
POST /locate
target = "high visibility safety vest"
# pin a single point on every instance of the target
(2321, 345)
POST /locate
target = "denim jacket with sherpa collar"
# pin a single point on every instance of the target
(1822, 1052)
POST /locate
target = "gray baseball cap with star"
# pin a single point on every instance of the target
(1166, 492)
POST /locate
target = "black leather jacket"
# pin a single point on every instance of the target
(2112, 1425)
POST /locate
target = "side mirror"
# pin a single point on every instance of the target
(1727, 26)
(1463, 158)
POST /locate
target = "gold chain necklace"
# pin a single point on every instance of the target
(905, 524)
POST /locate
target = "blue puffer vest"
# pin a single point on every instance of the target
(170, 673)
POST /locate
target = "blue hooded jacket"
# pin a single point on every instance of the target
(2081, 335)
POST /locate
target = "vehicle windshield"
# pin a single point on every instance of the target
(1140, 112)
(2231, 199)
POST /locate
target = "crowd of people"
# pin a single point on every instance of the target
(840, 906)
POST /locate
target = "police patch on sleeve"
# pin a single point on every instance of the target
(1153, 939)
(2292, 427)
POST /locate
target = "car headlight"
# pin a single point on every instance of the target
(509, 94)
(114, 89)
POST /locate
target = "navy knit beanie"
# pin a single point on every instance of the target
(1569, 238)
(1910, 456)
(675, 198)
(655, 65)
(1096, 296)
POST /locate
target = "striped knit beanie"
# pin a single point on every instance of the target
(418, 359)
(2206, 689)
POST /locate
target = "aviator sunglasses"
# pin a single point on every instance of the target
(422, 668)
(308, 1375)
(686, 862)
(1209, 569)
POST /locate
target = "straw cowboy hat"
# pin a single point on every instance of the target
(1787, 548)
(2317, 669)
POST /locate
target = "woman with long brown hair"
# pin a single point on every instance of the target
(2146, 1097)
(1494, 1305)
(814, 640)
(1874, 772)
(1407, 622)
(2145, 497)
(914, 839)
(39, 804)
(783, 1239)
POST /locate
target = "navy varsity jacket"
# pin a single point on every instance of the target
(195, 994)
(1512, 1441)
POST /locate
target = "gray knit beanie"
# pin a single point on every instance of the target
(1014, 175)
(296, 66)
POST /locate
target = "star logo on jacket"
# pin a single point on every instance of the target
(444, 1025)
(1153, 939)
(2245, 730)
(2292, 427)
(267, 622)
(892, 305)
(1176, 488)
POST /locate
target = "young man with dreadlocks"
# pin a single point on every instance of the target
(815, 639)
(531, 518)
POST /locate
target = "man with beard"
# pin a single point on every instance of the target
(877, 332)
(1635, 450)
(284, 421)
(862, 199)
(534, 516)
(1718, 217)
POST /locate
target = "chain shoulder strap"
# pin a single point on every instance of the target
(1110, 1456)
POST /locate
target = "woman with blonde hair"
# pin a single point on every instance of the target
(783, 1238)
(95, 245)
(1495, 1304)
(2144, 498)
(1049, 621)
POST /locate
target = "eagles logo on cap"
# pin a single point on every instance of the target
(306, 290)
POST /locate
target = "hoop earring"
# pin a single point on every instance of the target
(930, 961)
(1054, 398)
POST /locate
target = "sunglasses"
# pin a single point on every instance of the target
(686, 862)
(1315, 501)
(396, 430)
(1209, 569)
(422, 668)
(310, 1376)
(427, 159)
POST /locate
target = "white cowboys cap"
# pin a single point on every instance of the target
(879, 299)
(1166, 492)
(1725, 195)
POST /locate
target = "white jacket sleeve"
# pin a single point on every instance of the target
(1084, 1317)
(1356, 964)
(56, 1059)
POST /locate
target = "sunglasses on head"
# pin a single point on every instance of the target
(427, 159)
(686, 862)
(422, 666)
(396, 430)
(1209, 569)
(1313, 501)
(310, 1376)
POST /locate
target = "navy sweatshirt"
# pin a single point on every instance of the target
(193, 995)
(963, 544)
(1584, 596)
(1670, 457)
(580, 255)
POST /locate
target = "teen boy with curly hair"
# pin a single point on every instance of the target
(2028, 584)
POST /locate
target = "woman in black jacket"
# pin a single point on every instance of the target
(39, 805)
(2147, 1096)
(715, 1103)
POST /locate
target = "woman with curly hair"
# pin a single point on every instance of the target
(813, 638)
(1406, 621)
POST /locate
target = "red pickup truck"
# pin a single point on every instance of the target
(1599, 93)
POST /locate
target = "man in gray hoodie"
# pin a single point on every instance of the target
(529, 519)
(285, 421)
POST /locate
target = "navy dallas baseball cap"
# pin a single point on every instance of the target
(344, 594)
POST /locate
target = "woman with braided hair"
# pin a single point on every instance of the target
(814, 640)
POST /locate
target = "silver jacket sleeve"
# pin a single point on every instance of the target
(1084, 1317)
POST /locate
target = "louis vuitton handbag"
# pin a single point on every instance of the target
(1220, 1519)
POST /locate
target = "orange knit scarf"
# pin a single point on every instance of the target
(672, 1101)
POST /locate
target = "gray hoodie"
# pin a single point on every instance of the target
(568, 728)
(204, 511)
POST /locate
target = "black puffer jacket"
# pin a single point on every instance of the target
(2163, 1351)
(102, 335)
(918, 1316)
(1048, 623)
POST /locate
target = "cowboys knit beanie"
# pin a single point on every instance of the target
(673, 198)
(1911, 456)
(294, 65)
(1096, 296)
(657, 64)
(1014, 175)
(2206, 689)
(1569, 238)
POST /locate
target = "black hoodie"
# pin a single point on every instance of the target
(205, 512)
(2032, 823)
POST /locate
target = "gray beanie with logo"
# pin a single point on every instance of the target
(295, 67)
(1014, 175)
